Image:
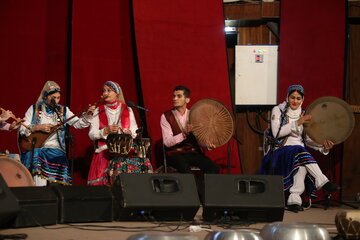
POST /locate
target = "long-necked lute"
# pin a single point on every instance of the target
(37, 138)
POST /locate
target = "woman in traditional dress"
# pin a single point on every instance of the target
(49, 163)
(113, 117)
(287, 155)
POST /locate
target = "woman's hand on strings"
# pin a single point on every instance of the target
(46, 127)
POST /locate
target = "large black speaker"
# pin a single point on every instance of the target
(9, 207)
(162, 197)
(243, 198)
(38, 206)
(84, 203)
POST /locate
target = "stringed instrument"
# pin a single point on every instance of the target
(38, 138)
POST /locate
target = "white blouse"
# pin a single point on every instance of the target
(113, 116)
(293, 131)
(46, 118)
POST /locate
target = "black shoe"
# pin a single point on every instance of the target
(330, 187)
(294, 208)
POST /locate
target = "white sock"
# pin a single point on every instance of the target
(39, 181)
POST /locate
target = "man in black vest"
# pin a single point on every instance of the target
(181, 147)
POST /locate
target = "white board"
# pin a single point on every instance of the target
(256, 74)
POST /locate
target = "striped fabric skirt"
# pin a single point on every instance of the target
(285, 161)
(48, 163)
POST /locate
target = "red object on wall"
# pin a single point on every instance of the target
(182, 43)
(33, 46)
(312, 46)
(101, 51)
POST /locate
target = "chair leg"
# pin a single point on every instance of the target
(165, 163)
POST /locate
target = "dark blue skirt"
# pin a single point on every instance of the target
(285, 161)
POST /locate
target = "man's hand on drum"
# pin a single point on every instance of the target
(210, 146)
(188, 129)
(304, 119)
(328, 144)
(42, 127)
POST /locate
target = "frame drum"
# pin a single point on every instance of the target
(212, 122)
(332, 119)
(15, 173)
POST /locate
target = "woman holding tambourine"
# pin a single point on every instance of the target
(285, 152)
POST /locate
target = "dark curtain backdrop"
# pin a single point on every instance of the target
(33, 48)
(312, 44)
(182, 43)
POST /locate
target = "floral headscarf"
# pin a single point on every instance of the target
(49, 88)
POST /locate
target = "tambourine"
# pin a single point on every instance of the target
(15, 173)
(332, 119)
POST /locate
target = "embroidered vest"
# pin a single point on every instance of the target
(187, 145)
(104, 122)
(36, 120)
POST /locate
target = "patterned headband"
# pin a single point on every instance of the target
(298, 88)
(114, 86)
(50, 87)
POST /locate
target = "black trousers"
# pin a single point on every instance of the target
(182, 162)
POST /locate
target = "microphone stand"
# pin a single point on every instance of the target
(139, 133)
(69, 139)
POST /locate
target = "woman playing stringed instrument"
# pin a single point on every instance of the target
(113, 117)
(48, 162)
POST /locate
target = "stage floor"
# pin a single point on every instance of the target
(122, 230)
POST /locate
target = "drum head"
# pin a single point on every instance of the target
(332, 119)
(212, 122)
(15, 173)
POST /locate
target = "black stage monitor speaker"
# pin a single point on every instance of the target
(257, 198)
(38, 206)
(162, 197)
(9, 207)
(84, 203)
